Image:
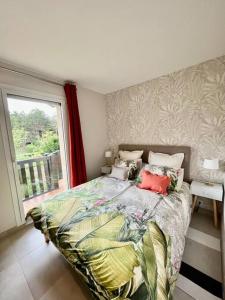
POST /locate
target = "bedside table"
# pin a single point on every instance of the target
(106, 170)
(214, 192)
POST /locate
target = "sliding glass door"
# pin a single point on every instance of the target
(37, 146)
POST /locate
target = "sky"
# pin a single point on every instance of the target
(19, 105)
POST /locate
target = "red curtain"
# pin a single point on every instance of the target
(77, 160)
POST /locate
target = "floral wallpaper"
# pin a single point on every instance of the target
(183, 108)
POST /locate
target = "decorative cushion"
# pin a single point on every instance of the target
(130, 155)
(180, 179)
(161, 159)
(156, 183)
(119, 173)
(134, 166)
(133, 170)
(176, 175)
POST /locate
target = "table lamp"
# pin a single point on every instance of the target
(211, 164)
(108, 156)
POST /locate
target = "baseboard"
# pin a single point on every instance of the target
(14, 229)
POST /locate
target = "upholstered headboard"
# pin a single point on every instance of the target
(168, 149)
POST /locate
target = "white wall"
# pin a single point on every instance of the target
(93, 124)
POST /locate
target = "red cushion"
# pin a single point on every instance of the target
(154, 182)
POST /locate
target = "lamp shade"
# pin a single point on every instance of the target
(211, 164)
(108, 153)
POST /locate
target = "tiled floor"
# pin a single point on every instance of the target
(203, 221)
(31, 269)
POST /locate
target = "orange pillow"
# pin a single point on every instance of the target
(154, 182)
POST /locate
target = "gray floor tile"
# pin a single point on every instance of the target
(7, 256)
(181, 295)
(65, 288)
(26, 240)
(42, 268)
(13, 285)
(203, 221)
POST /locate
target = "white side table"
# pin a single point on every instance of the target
(106, 170)
(214, 192)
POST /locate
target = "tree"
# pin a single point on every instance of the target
(19, 138)
(49, 142)
(34, 134)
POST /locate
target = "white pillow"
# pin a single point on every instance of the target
(130, 155)
(166, 160)
(119, 173)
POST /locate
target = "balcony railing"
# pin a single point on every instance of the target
(39, 175)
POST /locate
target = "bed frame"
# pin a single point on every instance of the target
(168, 149)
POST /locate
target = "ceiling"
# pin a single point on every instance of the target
(106, 45)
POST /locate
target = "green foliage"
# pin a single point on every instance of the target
(34, 134)
(49, 142)
(19, 137)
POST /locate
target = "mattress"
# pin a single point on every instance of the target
(126, 242)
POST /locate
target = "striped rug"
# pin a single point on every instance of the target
(200, 274)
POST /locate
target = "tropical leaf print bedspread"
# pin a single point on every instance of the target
(127, 243)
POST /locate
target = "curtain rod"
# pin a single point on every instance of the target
(33, 76)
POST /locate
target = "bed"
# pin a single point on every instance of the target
(126, 243)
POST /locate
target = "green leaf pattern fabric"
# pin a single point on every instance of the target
(114, 235)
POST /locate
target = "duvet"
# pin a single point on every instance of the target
(127, 243)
